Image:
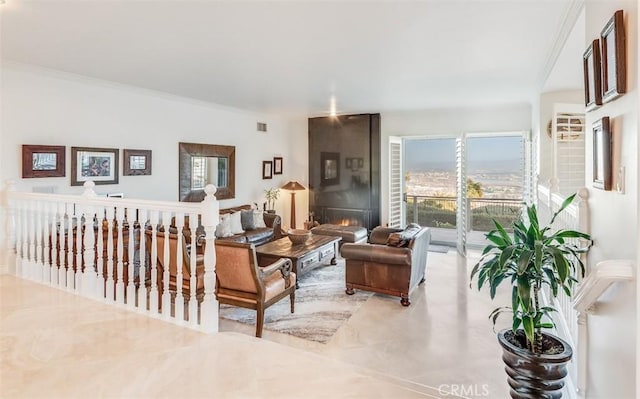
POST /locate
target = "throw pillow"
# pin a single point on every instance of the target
(247, 221)
(396, 240)
(236, 223)
(223, 229)
(410, 231)
(258, 219)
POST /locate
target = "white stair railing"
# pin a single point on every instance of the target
(574, 217)
(46, 243)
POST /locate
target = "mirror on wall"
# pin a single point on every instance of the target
(202, 164)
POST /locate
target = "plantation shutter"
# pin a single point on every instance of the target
(568, 135)
(396, 183)
(461, 188)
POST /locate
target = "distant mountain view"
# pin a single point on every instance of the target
(506, 165)
(494, 162)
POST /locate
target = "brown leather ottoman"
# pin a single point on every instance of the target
(353, 234)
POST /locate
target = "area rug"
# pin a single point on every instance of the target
(321, 306)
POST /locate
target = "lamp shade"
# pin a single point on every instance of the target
(293, 185)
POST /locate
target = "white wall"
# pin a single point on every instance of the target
(445, 122)
(614, 221)
(41, 106)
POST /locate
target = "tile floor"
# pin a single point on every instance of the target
(58, 345)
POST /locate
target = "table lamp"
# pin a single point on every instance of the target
(293, 186)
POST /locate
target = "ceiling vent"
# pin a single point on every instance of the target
(262, 127)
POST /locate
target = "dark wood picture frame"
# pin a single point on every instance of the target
(277, 165)
(267, 170)
(602, 154)
(136, 162)
(614, 60)
(43, 161)
(592, 81)
(186, 154)
(100, 165)
(329, 168)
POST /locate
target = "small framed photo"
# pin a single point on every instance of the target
(329, 168)
(267, 169)
(612, 40)
(43, 161)
(592, 85)
(277, 165)
(602, 154)
(348, 163)
(99, 165)
(136, 162)
(360, 163)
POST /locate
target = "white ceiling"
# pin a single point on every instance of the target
(294, 56)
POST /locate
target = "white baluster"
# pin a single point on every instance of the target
(79, 249)
(210, 216)
(24, 264)
(71, 227)
(89, 269)
(131, 289)
(100, 261)
(110, 287)
(32, 264)
(39, 216)
(60, 245)
(19, 223)
(154, 292)
(47, 239)
(179, 301)
(166, 262)
(193, 283)
(120, 264)
(142, 251)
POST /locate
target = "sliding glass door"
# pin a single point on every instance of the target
(431, 186)
(458, 185)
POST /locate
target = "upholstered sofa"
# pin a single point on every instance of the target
(253, 235)
(393, 262)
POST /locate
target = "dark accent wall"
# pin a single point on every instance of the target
(344, 169)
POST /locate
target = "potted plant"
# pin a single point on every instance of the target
(531, 258)
(271, 196)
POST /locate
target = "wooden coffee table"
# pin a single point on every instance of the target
(304, 257)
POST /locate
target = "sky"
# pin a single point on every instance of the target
(424, 153)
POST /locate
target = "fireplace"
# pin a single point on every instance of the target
(344, 170)
(347, 217)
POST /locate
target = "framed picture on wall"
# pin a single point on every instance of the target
(136, 162)
(329, 168)
(277, 165)
(99, 165)
(602, 154)
(43, 161)
(267, 169)
(614, 74)
(592, 84)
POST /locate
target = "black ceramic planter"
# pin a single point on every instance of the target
(534, 376)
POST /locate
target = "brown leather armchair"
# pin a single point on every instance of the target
(172, 258)
(241, 282)
(393, 262)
